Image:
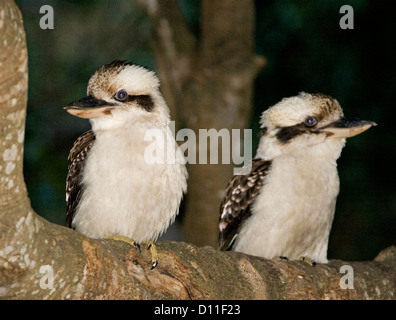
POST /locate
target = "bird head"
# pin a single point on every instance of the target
(120, 91)
(307, 125)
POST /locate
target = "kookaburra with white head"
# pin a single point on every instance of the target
(285, 206)
(112, 190)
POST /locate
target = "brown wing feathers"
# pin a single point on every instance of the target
(76, 161)
(240, 193)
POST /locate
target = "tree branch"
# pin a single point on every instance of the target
(227, 34)
(13, 98)
(54, 262)
(174, 46)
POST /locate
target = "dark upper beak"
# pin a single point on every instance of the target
(345, 128)
(89, 107)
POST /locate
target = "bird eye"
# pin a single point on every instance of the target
(121, 95)
(310, 121)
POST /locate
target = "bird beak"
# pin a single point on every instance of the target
(344, 128)
(89, 108)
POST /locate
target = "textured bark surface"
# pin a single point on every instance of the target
(41, 260)
(208, 83)
(82, 268)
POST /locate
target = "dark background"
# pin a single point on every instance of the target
(306, 50)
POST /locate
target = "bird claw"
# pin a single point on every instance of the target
(305, 259)
(150, 246)
(124, 239)
(154, 254)
(308, 260)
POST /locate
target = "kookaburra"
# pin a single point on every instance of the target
(112, 190)
(285, 206)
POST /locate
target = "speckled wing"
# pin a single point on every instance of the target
(76, 161)
(235, 207)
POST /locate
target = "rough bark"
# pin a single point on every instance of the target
(41, 260)
(208, 83)
(82, 268)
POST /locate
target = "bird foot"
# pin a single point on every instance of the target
(124, 239)
(150, 246)
(308, 260)
(282, 258)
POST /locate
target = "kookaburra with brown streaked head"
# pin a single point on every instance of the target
(111, 188)
(285, 206)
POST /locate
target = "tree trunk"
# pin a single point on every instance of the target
(14, 203)
(208, 84)
(41, 260)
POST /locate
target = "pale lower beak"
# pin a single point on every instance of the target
(89, 108)
(344, 128)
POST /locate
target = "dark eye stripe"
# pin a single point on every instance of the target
(285, 134)
(145, 101)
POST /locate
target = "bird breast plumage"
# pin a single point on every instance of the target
(294, 211)
(122, 192)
